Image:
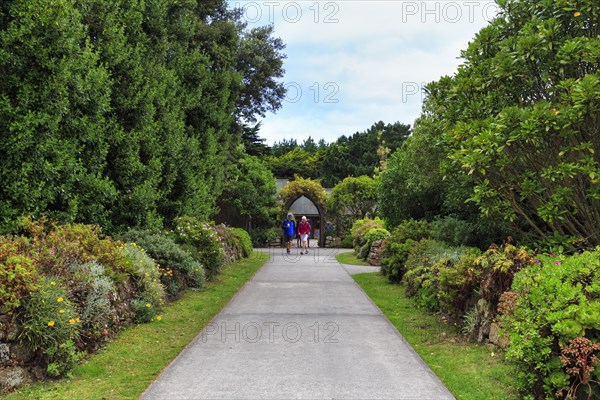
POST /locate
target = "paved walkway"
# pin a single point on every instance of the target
(300, 329)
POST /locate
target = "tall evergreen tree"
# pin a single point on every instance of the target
(124, 113)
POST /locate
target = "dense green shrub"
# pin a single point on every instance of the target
(411, 229)
(359, 230)
(18, 274)
(146, 275)
(458, 281)
(553, 302)
(398, 246)
(394, 256)
(178, 268)
(51, 326)
(203, 243)
(245, 241)
(453, 231)
(376, 234)
(421, 278)
(347, 242)
(262, 237)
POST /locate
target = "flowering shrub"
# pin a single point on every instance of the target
(51, 326)
(144, 311)
(146, 275)
(67, 288)
(372, 235)
(230, 242)
(178, 268)
(202, 241)
(18, 275)
(557, 301)
(56, 247)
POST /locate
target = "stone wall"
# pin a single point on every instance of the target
(17, 362)
(375, 253)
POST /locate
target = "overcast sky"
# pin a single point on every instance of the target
(351, 63)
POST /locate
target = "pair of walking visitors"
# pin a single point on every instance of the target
(290, 231)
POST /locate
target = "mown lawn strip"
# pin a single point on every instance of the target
(470, 371)
(349, 258)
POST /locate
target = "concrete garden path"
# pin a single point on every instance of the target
(300, 329)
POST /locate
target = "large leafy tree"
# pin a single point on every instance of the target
(357, 155)
(54, 115)
(352, 199)
(521, 116)
(419, 183)
(413, 186)
(356, 196)
(253, 143)
(260, 59)
(124, 113)
(249, 196)
(295, 162)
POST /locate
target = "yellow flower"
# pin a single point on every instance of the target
(51, 323)
(148, 304)
(77, 320)
(60, 299)
(71, 321)
(61, 311)
(53, 283)
(158, 318)
(577, 14)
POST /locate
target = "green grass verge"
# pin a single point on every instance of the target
(469, 371)
(127, 366)
(349, 258)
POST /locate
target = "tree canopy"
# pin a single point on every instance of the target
(356, 196)
(249, 195)
(521, 116)
(353, 155)
(123, 113)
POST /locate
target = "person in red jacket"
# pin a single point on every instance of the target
(303, 232)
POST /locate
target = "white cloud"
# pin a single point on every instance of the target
(376, 55)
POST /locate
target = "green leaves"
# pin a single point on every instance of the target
(122, 114)
(556, 303)
(519, 114)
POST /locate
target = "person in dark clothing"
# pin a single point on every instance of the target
(289, 231)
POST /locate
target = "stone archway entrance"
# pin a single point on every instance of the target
(313, 192)
(304, 206)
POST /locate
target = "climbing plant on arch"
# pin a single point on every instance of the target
(313, 190)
